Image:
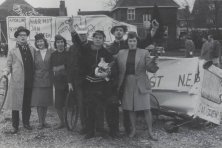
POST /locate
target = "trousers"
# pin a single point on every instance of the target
(26, 109)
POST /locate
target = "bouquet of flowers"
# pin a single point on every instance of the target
(103, 70)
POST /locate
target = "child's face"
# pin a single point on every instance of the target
(98, 40)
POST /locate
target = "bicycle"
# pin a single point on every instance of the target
(71, 111)
(3, 91)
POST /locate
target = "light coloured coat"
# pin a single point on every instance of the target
(15, 67)
(142, 63)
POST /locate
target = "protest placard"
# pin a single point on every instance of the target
(13, 23)
(41, 25)
(182, 85)
(50, 26)
(175, 74)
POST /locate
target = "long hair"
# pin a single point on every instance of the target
(45, 42)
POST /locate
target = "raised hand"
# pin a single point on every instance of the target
(71, 24)
(155, 24)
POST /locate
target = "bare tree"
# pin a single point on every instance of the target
(187, 15)
(110, 3)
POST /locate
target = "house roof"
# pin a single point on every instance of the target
(145, 3)
(94, 13)
(48, 11)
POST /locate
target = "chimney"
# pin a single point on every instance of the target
(62, 8)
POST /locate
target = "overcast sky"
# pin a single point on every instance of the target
(74, 5)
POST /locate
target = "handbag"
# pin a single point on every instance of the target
(152, 66)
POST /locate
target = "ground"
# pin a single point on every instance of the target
(186, 137)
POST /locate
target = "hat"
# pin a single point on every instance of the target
(21, 29)
(59, 37)
(39, 36)
(118, 25)
(100, 32)
(82, 30)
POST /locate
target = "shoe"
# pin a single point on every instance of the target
(60, 126)
(127, 131)
(28, 127)
(102, 133)
(13, 131)
(89, 135)
(46, 125)
(114, 135)
(83, 131)
(132, 134)
(153, 138)
(40, 127)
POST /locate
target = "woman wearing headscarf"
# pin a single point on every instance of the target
(42, 94)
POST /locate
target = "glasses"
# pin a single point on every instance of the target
(23, 35)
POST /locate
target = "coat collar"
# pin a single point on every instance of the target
(137, 57)
(18, 53)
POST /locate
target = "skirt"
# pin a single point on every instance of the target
(133, 99)
(42, 97)
(60, 98)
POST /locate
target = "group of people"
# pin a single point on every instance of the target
(102, 77)
(210, 51)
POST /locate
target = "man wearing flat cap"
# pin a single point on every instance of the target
(98, 75)
(20, 66)
(119, 30)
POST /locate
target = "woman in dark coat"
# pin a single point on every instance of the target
(59, 61)
(42, 94)
(132, 65)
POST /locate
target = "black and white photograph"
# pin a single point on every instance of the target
(110, 73)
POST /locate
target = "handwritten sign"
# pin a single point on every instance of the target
(50, 26)
(209, 111)
(211, 87)
(13, 24)
(177, 74)
(40, 25)
(62, 26)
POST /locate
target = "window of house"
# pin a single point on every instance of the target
(210, 21)
(131, 14)
(147, 17)
(211, 7)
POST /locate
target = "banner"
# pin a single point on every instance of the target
(210, 102)
(183, 86)
(50, 26)
(175, 74)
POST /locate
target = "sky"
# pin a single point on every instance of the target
(74, 5)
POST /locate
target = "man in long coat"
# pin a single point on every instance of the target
(20, 66)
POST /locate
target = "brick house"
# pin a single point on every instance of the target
(207, 14)
(135, 12)
(12, 8)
